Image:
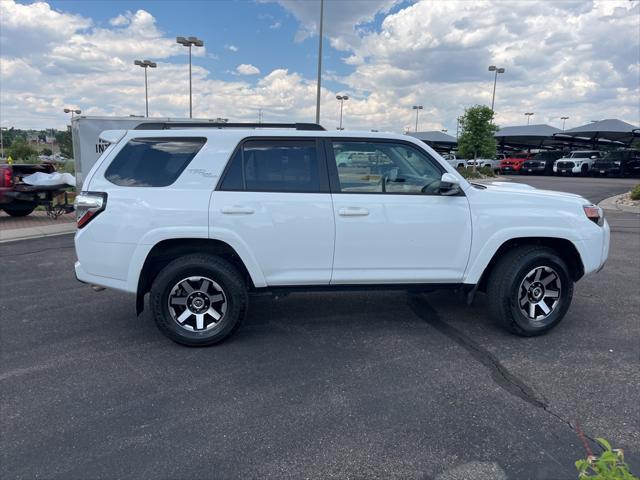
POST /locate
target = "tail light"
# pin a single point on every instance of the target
(5, 178)
(594, 213)
(88, 205)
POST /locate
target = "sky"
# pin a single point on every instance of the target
(579, 59)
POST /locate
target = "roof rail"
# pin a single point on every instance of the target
(173, 125)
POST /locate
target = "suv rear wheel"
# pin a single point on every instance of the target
(198, 299)
(530, 290)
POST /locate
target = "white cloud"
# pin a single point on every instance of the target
(570, 58)
(275, 25)
(247, 69)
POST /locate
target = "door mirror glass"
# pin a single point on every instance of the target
(449, 184)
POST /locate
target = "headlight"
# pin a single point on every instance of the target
(594, 213)
(616, 163)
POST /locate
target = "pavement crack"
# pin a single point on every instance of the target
(499, 373)
(35, 251)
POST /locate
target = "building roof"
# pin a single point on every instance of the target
(608, 129)
(434, 136)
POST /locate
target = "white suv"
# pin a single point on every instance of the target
(199, 218)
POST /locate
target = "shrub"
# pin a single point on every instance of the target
(483, 172)
(608, 466)
(635, 192)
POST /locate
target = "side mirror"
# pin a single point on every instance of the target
(449, 185)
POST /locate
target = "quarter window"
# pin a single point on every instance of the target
(152, 162)
(385, 167)
(274, 166)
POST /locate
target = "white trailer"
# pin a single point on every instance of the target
(87, 146)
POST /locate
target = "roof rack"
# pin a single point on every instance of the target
(172, 125)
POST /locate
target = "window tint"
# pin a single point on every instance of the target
(233, 176)
(385, 167)
(152, 162)
(281, 166)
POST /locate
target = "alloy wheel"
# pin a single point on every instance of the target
(539, 293)
(197, 303)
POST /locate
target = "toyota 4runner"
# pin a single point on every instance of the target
(199, 218)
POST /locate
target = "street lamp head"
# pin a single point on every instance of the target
(151, 64)
(342, 97)
(529, 113)
(500, 70)
(182, 41)
(196, 42)
(67, 110)
(417, 107)
(138, 62)
(78, 112)
(564, 118)
(492, 68)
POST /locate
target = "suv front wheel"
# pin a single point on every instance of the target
(198, 299)
(530, 290)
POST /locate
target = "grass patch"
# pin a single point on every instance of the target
(484, 172)
(635, 193)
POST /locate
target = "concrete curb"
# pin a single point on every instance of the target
(36, 232)
(610, 204)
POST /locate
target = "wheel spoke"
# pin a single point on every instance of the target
(526, 284)
(183, 316)
(216, 298)
(545, 308)
(532, 310)
(538, 275)
(549, 279)
(205, 285)
(200, 321)
(524, 300)
(178, 300)
(551, 294)
(187, 287)
(214, 313)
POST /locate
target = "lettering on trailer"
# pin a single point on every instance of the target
(101, 146)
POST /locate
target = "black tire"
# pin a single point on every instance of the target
(223, 274)
(19, 211)
(506, 283)
(584, 170)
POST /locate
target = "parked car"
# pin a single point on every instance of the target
(578, 162)
(514, 162)
(623, 163)
(541, 163)
(493, 163)
(19, 199)
(454, 161)
(199, 218)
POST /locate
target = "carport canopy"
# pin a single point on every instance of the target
(437, 140)
(610, 129)
(527, 136)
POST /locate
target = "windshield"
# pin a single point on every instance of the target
(615, 156)
(582, 154)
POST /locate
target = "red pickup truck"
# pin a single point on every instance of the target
(19, 199)
(513, 162)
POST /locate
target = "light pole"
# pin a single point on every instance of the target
(72, 111)
(528, 114)
(417, 108)
(564, 119)
(342, 99)
(493, 68)
(319, 63)
(145, 64)
(189, 42)
(2, 129)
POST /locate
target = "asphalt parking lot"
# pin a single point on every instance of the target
(348, 385)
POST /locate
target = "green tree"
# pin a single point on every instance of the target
(63, 137)
(21, 151)
(46, 151)
(477, 137)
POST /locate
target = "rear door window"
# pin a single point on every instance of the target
(275, 166)
(152, 162)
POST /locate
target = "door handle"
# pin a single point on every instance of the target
(353, 212)
(237, 210)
